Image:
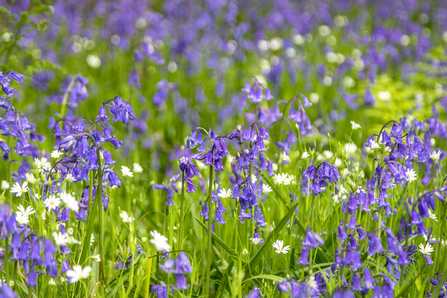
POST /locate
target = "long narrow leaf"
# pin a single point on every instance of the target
(224, 279)
(265, 276)
(231, 251)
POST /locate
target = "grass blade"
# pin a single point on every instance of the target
(231, 251)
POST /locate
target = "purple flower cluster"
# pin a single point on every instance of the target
(15, 124)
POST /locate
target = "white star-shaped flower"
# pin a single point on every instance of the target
(355, 125)
(266, 188)
(69, 201)
(52, 202)
(137, 168)
(436, 155)
(225, 194)
(18, 189)
(426, 250)
(160, 242)
(125, 217)
(5, 184)
(282, 179)
(280, 248)
(283, 157)
(60, 239)
(411, 175)
(78, 273)
(126, 171)
(305, 155)
(56, 154)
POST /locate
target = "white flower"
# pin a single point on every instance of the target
(350, 148)
(338, 162)
(327, 154)
(374, 145)
(266, 188)
(70, 231)
(305, 155)
(225, 194)
(78, 273)
(60, 239)
(282, 179)
(432, 215)
(125, 217)
(72, 240)
(283, 157)
(280, 248)
(56, 154)
(69, 201)
(30, 178)
(52, 202)
(244, 252)
(19, 190)
(426, 250)
(22, 219)
(256, 241)
(22, 216)
(27, 212)
(137, 168)
(42, 164)
(411, 175)
(52, 282)
(355, 125)
(126, 171)
(96, 258)
(436, 155)
(384, 95)
(160, 242)
(5, 184)
(312, 282)
(253, 178)
(69, 178)
(144, 239)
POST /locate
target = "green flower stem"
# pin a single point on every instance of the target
(441, 232)
(65, 100)
(378, 235)
(101, 224)
(208, 262)
(312, 225)
(182, 202)
(6, 258)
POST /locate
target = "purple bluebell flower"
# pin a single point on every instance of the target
(283, 286)
(255, 293)
(161, 290)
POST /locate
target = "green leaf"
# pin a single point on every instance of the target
(257, 256)
(225, 279)
(437, 290)
(231, 251)
(266, 276)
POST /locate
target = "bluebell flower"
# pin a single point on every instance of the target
(283, 286)
(161, 290)
(255, 293)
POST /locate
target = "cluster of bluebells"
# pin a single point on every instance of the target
(178, 268)
(74, 91)
(15, 124)
(79, 148)
(256, 92)
(316, 178)
(36, 255)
